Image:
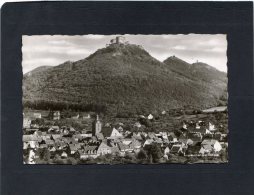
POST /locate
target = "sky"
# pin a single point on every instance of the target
(40, 50)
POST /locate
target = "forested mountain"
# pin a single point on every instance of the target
(197, 71)
(125, 79)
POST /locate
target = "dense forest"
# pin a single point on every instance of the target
(124, 79)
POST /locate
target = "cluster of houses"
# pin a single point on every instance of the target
(194, 139)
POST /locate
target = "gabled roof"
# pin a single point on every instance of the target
(103, 145)
(72, 129)
(81, 152)
(150, 116)
(115, 133)
(148, 142)
(64, 154)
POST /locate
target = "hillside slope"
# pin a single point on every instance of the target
(121, 78)
(38, 69)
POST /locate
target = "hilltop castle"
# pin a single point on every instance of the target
(121, 40)
(118, 40)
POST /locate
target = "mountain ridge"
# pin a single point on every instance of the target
(125, 78)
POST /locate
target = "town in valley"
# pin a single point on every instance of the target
(194, 138)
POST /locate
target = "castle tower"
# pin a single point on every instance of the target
(97, 126)
(120, 40)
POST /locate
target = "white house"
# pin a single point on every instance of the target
(184, 126)
(103, 149)
(115, 133)
(26, 122)
(31, 157)
(197, 126)
(137, 124)
(150, 117)
(64, 155)
(211, 127)
(25, 145)
(56, 115)
(37, 115)
(163, 112)
(166, 151)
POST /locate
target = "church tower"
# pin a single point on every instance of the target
(97, 126)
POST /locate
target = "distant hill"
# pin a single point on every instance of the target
(178, 66)
(125, 79)
(196, 71)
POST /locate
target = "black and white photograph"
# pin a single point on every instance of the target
(125, 99)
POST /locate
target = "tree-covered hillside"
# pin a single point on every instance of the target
(124, 79)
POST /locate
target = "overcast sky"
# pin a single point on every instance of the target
(54, 50)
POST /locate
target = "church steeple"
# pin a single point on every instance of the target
(97, 125)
